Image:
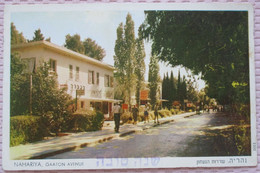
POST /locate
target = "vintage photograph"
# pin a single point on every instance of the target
(129, 87)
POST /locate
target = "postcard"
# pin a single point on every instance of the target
(119, 86)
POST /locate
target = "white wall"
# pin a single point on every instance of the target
(62, 66)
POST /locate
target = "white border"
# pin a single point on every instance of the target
(114, 163)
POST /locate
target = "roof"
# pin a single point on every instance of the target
(62, 50)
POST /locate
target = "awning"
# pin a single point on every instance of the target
(163, 100)
(102, 100)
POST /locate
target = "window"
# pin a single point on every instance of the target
(109, 81)
(106, 81)
(77, 73)
(53, 65)
(97, 78)
(91, 78)
(82, 104)
(71, 72)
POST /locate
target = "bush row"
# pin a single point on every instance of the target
(86, 121)
(24, 129)
(127, 117)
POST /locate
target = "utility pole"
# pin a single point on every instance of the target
(30, 102)
(76, 100)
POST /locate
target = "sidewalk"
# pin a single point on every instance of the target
(57, 145)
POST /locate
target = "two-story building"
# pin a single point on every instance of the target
(91, 79)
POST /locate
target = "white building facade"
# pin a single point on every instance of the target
(90, 78)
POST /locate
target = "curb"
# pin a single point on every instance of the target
(105, 139)
(71, 148)
(127, 133)
(82, 145)
(53, 153)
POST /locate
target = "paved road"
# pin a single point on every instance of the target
(192, 136)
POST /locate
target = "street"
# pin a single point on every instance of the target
(199, 135)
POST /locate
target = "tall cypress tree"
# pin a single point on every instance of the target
(120, 63)
(139, 65)
(130, 51)
(173, 88)
(153, 79)
(164, 90)
(164, 87)
(124, 58)
(183, 91)
(179, 87)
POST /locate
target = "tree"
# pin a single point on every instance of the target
(214, 44)
(93, 50)
(129, 54)
(38, 36)
(48, 100)
(120, 63)
(74, 43)
(88, 47)
(139, 65)
(19, 87)
(153, 79)
(16, 37)
(164, 90)
(167, 91)
(124, 59)
(172, 89)
(183, 91)
(192, 93)
(179, 83)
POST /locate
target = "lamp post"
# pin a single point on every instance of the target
(31, 69)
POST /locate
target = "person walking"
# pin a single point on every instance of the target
(156, 113)
(117, 112)
(135, 113)
(146, 113)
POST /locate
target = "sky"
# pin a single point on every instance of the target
(98, 25)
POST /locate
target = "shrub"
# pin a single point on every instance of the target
(126, 117)
(164, 113)
(24, 129)
(173, 111)
(140, 117)
(98, 121)
(151, 115)
(242, 138)
(85, 121)
(176, 111)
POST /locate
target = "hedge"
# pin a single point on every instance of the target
(85, 121)
(25, 128)
(127, 117)
(165, 113)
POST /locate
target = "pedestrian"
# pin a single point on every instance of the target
(156, 113)
(135, 113)
(117, 111)
(146, 109)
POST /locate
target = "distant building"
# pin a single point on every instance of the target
(144, 94)
(92, 79)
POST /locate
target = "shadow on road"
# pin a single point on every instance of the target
(226, 135)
